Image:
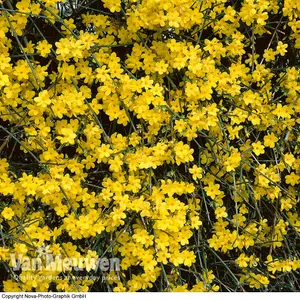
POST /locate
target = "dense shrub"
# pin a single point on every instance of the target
(164, 133)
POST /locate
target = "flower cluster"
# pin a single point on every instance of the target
(164, 133)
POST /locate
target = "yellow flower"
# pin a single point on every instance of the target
(233, 161)
(196, 172)
(286, 204)
(112, 5)
(44, 48)
(4, 79)
(270, 140)
(269, 55)
(258, 148)
(212, 190)
(242, 260)
(292, 179)
(7, 213)
(289, 159)
(220, 212)
(43, 99)
(281, 48)
(183, 153)
(188, 257)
